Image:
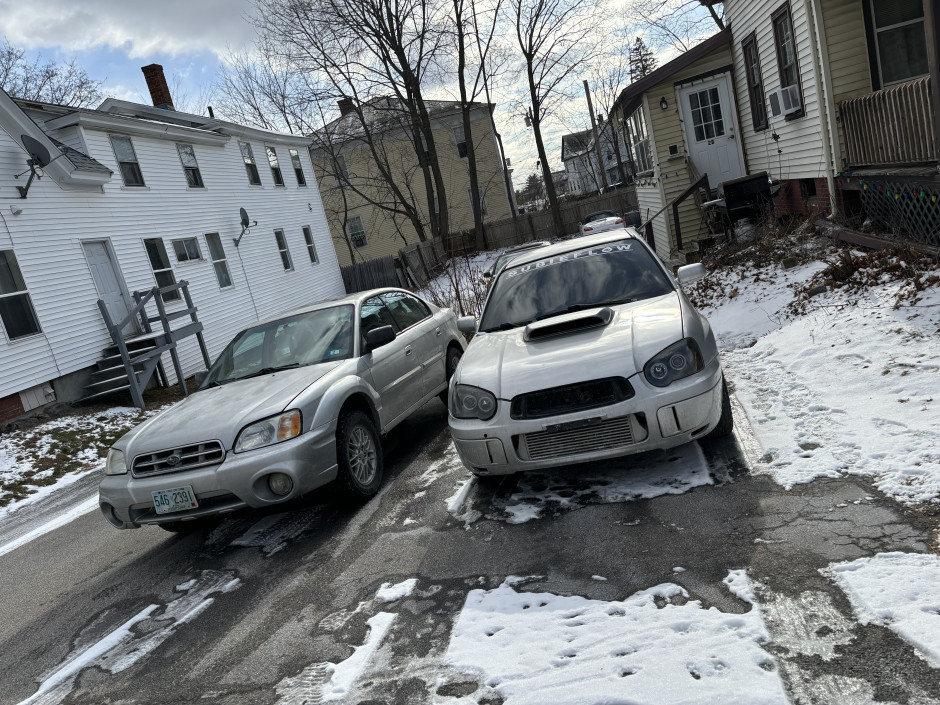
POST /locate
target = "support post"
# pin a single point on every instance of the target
(932, 28)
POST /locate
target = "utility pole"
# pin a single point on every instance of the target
(597, 142)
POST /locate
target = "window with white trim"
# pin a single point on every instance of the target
(160, 264)
(187, 249)
(219, 261)
(461, 140)
(900, 40)
(788, 63)
(298, 167)
(639, 141)
(755, 82)
(356, 232)
(311, 247)
(190, 165)
(275, 166)
(251, 168)
(16, 306)
(283, 250)
(127, 160)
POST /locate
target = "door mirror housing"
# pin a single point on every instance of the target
(690, 273)
(467, 324)
(377, 337)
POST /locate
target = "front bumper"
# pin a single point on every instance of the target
(240, 480)
(653, 419)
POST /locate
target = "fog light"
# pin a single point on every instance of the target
(280, 484)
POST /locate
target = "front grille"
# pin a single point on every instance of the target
(178, 459)
(570, 398)
(602, 435)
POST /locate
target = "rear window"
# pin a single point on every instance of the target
(611, 274)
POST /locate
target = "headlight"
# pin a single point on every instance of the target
(267, 432)
(675, 362)
(472, 403)
(115, 464)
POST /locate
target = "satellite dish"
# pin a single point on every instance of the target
(244, 216)
(37, 151)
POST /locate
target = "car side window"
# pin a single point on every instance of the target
(406, 309)
(375, 314)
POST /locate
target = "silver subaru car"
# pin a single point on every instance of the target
(291, 404)
(585, 350)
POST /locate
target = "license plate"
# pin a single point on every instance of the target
(175, 500)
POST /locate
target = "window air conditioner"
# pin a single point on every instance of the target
(785, 101)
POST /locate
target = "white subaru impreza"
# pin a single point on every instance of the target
(586, 350)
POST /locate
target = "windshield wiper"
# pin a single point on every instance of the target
(506, 326)
(266, 371)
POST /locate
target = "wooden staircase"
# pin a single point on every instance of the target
(130, 362)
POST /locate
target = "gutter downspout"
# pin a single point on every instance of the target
(827, 105)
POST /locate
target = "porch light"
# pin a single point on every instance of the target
(663, 103)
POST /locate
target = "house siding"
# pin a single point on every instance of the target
(47, 240)
(384, 231)
(800, 141)
(844, 35)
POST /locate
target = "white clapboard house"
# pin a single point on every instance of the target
(135, 197)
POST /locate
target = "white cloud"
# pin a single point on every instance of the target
(140, 29)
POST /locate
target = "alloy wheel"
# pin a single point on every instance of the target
(360, 450)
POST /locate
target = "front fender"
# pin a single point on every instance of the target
(339, 392)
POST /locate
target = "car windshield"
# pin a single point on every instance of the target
(507, 257)
(309, 338)
(600, 216)
(604, 275)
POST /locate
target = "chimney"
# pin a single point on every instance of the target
(156, 82)
(345, 106)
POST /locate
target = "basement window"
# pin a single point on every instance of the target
(16, 306)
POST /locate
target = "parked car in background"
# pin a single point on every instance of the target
(291, 404)
(511, 254)
(585, 350)
(599, 222)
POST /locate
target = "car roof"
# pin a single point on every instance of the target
(349, 299)
(576, 243)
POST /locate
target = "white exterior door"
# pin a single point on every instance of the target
(711, 129)
(108, 281)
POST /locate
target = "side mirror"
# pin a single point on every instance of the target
(488, 274)
(467, 324)
(690, 273)
(377, 337)
(200, 377)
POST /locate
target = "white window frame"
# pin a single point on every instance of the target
(135, 162)
(298, 167)
(352, 232)
(275, 165)
(194, 171)
(639, 141)
(876, 30)
(173, 295)
(281, 239)
(311, 246)
(460, 138)
(10, 256)
(221, 262)
(251, 165)
(187, 249)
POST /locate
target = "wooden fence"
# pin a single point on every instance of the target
(371, 274)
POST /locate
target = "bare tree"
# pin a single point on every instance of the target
(46, 81)
(675, 24)
(557, 38)
(607, 78)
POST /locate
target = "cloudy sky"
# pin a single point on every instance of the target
(113, 39)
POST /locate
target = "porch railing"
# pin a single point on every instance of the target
(890, 127)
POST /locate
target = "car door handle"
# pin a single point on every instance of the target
(408, 350)
(438, 331)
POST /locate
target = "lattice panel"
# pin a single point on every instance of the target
(906, 208)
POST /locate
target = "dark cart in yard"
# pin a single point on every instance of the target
(747, 197)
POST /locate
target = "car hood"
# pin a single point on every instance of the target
(514, 362)
(219, 413)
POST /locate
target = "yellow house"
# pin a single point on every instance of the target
(671, 143)
(368, 189)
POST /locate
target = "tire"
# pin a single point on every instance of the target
(725, 425)
(451, 360)
(359, 456)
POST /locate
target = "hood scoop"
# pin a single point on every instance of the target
(571, 323)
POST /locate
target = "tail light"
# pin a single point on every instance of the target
(618, 221)
(587, 230)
